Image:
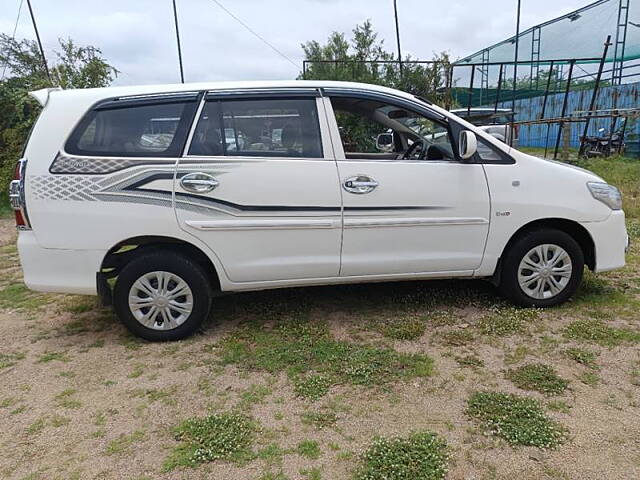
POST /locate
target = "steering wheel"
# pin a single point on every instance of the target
(416, 151)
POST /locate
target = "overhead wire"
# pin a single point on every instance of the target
(13, 36)
(256, 34)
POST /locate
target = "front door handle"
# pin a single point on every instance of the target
(359, 184)
(198, 182)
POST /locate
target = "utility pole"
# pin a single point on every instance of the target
(395, 10)
(35, 27)
(175, 19)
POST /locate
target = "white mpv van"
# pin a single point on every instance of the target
(158, 197)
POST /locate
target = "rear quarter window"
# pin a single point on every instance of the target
(133, 130)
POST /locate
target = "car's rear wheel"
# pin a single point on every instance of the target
(542, 268)
(162, 295)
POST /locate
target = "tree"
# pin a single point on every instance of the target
(364, 59)
(74, 67)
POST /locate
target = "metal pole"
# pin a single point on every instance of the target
(470, 99)
(175, 18)
(495, 110)
(515, 65)
(594, 97)
(395, 11)
(35, 27)
(546, 92)
(564, 107)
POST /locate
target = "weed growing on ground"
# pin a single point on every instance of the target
(539, 377)
(504, 321)
(518, 420)
(17, 296)
(421, 455)
(10, 359)
(582, 356)
(402, 328)
(300, 347)
(457, 338)
(124, 442)
(596, 331)
(309, 449)
(319, 420)
(312, 387)
(216, 437)
(589, 378)
(470, 361)
(51, 356)
(65, 399)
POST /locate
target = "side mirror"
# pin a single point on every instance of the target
(385, 142)
(467, 144)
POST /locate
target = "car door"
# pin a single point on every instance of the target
(404, 216)
(255, 185)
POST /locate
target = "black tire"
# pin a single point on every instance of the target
(509, 285)
(164, 261)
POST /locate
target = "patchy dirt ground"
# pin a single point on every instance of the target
(81, 399)
(321, 372)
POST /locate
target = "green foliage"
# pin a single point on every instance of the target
(309, 449)
(312, 387)
(518, 420)
(582, 356)
(504, 321)
(216, 437)
(539, 377)
(10, 359)
(319, 420)
(124, 442)
(420, 456)
(470, 361)
(402, 328)
(596, 331)
(299, 347)
(73, 67)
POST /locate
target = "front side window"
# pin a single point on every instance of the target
(372, 128)
(270, 128)
(156, 130)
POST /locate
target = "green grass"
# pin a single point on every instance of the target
(65, 399)
(597, 331)
(51, 356)
(518, 420)
(309, 449)
(10, 359)
(539, 377)
(223, 436)
(402, 328)
(299, 347)
(582, 356)
(504, 321)
(311, 387)
(470, 361)
(319, 420)
(123, 443)
(17, 296)
(419, 456)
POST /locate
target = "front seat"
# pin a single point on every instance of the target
(291, 138)
(207, 142)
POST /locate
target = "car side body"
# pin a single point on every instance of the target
(294, 209)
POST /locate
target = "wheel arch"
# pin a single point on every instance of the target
(124, 251)
(570, 227)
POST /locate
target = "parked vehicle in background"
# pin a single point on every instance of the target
(605, 144)
(156, 198)
(495, 122)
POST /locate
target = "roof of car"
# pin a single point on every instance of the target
(118, 91)
(481, 111)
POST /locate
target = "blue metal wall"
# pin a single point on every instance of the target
(537, 135)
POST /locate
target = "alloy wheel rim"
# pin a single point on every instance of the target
(545, 271)
(160, 300)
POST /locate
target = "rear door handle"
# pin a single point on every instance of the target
(359, 184)
(198, 182)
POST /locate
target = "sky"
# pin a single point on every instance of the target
(138, 36)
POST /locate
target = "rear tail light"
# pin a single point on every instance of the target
(16, 196)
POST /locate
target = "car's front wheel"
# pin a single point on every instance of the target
(542, 268)
(162, 295)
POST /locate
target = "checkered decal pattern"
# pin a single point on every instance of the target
(79, 165)
(65, 187)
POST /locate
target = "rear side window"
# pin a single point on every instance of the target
(265, 128)
(133, 130)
